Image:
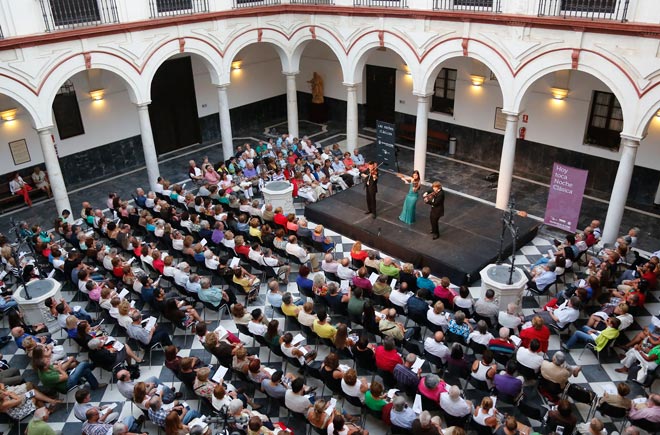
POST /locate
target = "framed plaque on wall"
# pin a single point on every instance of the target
(19, 151)
(500, 119)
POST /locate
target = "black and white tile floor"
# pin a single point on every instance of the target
(594, 375)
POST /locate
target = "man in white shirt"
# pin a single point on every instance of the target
(182, 274)
(256, 325)
(510, 318)
(435, 346)
(294, 399)
(400, 297)
(329, 264)
(453, 404)
(566, 313)
(531, 358)
(293, 248)
(344, 271)
(255, 254)
(487, 306)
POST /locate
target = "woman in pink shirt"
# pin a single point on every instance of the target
(431, 386)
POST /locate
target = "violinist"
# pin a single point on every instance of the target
(436, 199)
(370, 177)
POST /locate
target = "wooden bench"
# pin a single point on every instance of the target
(435, 140)
(8, 201)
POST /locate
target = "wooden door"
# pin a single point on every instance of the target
(381, 90)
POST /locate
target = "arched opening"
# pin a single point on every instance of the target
(386, 81)
(174, 114)
(466, 102)
(573, 118)
(257, 95)
(648, 156)
(23, 150)
(317, 57)
(96, 131)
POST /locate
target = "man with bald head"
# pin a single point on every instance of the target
(435, 346)
(390, 327)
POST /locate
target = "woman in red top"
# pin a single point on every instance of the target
(539, 331)
(158, 264)
(444, 293)
(279, 217)
(357, 253)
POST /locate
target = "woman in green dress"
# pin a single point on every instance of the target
(408, 212)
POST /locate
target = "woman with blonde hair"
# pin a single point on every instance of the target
(317, 416)
(202, 386)
(436, 314)
(254, 230)
(319, 236)
(485, 414)
(357, 253)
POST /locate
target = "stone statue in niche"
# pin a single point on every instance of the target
(317, 88)
(317, 112)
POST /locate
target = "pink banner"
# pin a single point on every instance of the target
(565, 197)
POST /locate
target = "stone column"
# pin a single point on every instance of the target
(54, 171)
(291, 103)
(620, 189)
(421, 133)
(351, 117)
(150, 155)
(507, 161)
(225, 122)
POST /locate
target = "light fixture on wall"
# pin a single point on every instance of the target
(97, 95)
(477, 80)
(236, 65)
(406, 69)
(658, 114)
(8, 115)
(559, 93)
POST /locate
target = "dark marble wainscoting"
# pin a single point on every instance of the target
(249, 119)
(534, 160)
(102, 162)
(335, 110)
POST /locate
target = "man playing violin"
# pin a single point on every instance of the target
(370, 177)
(436, 199)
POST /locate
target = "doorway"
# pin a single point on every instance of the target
(173, 108)
(381, 90)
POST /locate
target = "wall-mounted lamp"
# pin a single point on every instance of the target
(8, 115)
(559, 93)
(658, 114)
(236, 65)
(477, 80)
(406, 69)
(97, 95)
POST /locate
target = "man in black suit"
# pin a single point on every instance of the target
(436, 199)
(371, 184)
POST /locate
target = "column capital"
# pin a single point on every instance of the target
(350, 85)
(630, 140)
(510, 113)
(290, 73)
(45, 130)
(422, 94)
(223, 85)
(143, 105)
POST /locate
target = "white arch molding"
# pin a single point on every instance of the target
(299, 44)
(434, 60)
(193, 46)
(131, 78)
(589, 63)
(25, 98)
(274, 39)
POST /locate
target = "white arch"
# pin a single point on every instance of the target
(359, 54)
(76, 64)
(647, 108)
(209, 56)
(433, 63)
(303, 38)
(272, 38)
(25, 98)
(589, 63)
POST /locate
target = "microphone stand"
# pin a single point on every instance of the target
(508, 223)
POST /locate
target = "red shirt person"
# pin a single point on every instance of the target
(386, 355)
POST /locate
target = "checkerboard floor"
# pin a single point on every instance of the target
(594, 375)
